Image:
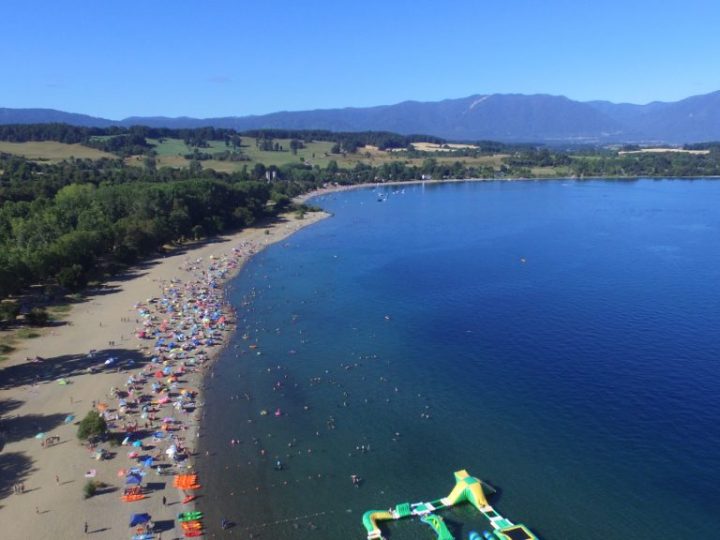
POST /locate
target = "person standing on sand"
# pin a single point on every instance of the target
(86, 528)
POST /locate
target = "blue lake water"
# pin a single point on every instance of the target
(558, 339)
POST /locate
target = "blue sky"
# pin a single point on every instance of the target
(233, 57)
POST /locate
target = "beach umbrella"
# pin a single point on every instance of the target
(137, 444)
(147, 462)
(40, 435)
(139, 519)
(168, 420)
(69, 418)
(159, 375)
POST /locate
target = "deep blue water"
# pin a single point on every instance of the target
(558, 339)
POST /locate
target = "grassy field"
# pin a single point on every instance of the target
(52, 151)
(170, 153)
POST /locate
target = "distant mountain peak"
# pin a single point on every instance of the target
(503, 117)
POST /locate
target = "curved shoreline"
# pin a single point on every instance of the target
(336, 188)
(31, 400)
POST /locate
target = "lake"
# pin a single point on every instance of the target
(558, 339)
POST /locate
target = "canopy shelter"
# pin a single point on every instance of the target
(139, 519)
(132, 479)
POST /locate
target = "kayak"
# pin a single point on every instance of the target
(190, 516)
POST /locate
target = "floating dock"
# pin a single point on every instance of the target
(467, 489)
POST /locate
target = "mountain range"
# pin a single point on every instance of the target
(502, 117)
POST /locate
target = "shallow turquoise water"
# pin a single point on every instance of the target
(559, 339)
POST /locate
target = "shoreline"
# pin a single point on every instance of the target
(338, 188)
(39, 397)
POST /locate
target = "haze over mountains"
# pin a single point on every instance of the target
(502, 117)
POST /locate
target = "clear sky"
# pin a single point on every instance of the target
(117, 58)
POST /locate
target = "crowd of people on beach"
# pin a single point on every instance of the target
(155, 412)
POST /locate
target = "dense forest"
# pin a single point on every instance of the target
(69, 222)
(78, 222)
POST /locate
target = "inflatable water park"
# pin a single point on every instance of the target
(468, 489)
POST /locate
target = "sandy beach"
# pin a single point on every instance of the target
(38, 397)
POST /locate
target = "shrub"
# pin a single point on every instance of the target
(90, 488)
(93, 425)
(38, 316)
(9, 311)
(73, 277)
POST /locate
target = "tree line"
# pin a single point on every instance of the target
(126, 141)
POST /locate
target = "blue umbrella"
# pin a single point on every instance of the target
(139, 519)
(69, 418)
(137, 444)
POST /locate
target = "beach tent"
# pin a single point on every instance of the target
(139, 519)
(132, 479)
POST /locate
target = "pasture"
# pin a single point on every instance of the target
(52, 151)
